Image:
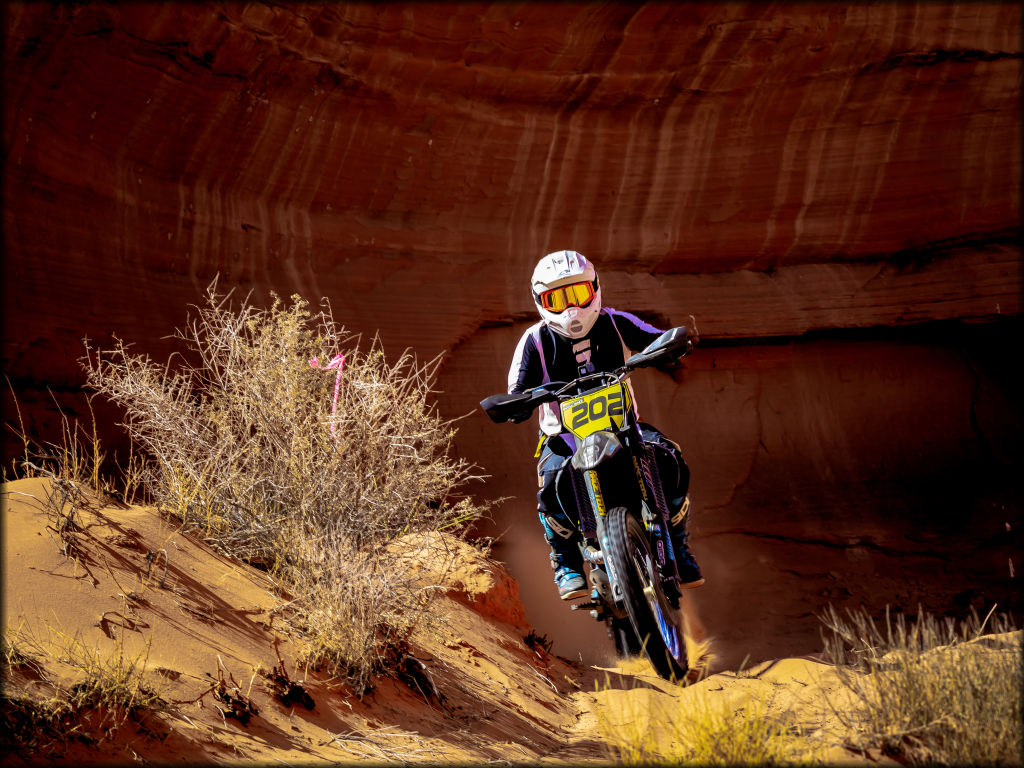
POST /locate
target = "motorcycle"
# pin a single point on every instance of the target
(613, 484)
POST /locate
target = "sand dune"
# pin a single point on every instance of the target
(204, 633)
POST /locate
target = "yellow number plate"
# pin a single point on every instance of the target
(597, 410)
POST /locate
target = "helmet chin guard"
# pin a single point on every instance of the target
(556, 271)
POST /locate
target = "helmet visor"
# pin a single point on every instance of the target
(574, 295)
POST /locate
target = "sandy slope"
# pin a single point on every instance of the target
(475, 689)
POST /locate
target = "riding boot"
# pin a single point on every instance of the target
(566, 559)
(689, 571)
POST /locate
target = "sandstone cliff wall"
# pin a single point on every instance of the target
(770, 168)
(773, 169)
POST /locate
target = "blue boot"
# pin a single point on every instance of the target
(566, 559)
(689, 571)
(571, 583)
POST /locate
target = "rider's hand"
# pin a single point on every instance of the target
(675, 369)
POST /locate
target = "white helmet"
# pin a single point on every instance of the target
(567, 293)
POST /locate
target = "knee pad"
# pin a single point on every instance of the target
(555, 526)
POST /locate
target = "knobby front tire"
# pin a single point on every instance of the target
(656, 624)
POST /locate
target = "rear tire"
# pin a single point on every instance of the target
(655, 623)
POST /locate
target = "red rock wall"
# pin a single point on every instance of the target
(773, 169)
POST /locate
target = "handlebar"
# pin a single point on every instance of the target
(673, 344)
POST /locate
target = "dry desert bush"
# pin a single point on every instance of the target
(932, 691)
(924, 691)
(248, 448)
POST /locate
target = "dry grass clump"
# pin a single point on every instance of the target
(702, 731)
(74, 469)
(115, 682)
(699, 730)
(750, 735)
(245, 450)
(104, 692)
(932, 691)
(75, 464)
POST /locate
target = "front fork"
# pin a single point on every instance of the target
(603, 579)
(655, 517)
(655, 521)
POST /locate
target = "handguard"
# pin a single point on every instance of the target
(671, 345)
(501, 408)
(518, 407)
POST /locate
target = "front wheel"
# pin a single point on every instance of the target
(657, 625)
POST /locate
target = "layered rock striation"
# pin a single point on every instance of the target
(776, 170)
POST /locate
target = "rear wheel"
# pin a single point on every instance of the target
(656, 624)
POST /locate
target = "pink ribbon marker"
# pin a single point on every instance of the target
(338, 361)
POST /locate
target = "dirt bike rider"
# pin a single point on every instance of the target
(576, 335)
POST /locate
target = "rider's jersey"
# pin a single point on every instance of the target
(559, 358)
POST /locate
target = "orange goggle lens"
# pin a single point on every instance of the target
(575, 295)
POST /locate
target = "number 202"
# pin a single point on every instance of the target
(595, 408)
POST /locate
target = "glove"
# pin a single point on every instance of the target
(519, 418)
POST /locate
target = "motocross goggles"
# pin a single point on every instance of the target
(573, 295)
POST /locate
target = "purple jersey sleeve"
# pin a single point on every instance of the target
(635, 332)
